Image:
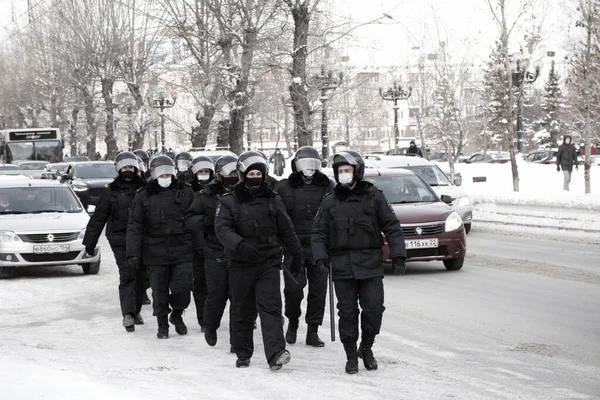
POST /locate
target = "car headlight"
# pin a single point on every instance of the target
(81, 234)
(463, 201)
(80, 188)
(9, 237)
(453, 222)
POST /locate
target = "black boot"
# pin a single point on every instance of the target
(146, 300)
(201, 323)
(177, 320)
(210, 337)
(352, 356)
(312, 337)
(242, 363)
(292, 331)
(163, 327)
(366, 353)
(128, 323)
(279, 360)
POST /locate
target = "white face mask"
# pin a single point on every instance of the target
(164, 182)
(203, 178)
(308, 173)
(346, 178)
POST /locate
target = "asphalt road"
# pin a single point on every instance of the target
(521, 320)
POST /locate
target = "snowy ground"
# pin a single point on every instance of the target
(523, 327)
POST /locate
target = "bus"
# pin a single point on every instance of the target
(31, 144)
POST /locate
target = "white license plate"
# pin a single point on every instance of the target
(421, 243)
(51, 248)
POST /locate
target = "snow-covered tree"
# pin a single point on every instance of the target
(495, 95)
(553, 105)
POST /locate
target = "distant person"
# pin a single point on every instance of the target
(171, 154)
(566, 157)
(413, 150)
(278, 162)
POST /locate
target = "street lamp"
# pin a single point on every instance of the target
(520, 76)
(324, 82)
(394, 94)
(288, 103)
(161, 102)
(248, 121)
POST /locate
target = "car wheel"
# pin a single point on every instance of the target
(91, 268)
(454, 264)
(467, 228)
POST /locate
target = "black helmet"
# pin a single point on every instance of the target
(263, 155)
(349, 157)
(183, 161)
(142, 166)
(202, 162)
(143, 155)
(250, 160)
(306, 158)
(160, 165)
(126, 159)
(225, 165)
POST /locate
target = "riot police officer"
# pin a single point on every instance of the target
(143, 155)
(113, 211)
(271, 182)
(251, 222)
(156, 233)
(183, 162)
(201, 220)
(347, 234)
(202, 172)
(302, 193)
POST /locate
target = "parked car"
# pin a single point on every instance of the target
(43, 225)
(434, 177)
(34, 168)
(547, 156)
(76, 159)
(491, 157)
(89, 179)
(433, 231)
(53, 170)
(9, 167)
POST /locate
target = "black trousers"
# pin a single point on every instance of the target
(351, 292)
(294, 293)
(131, 284)
(199, 289)
(256, 287)
(171, 286)
(217, 283)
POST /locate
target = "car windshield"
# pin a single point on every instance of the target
(32, 166)
(400, 189)
(95, 171)
(430, 174)
(36, 200)
(9, 167)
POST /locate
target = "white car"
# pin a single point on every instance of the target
(42, 223)
(434, 177)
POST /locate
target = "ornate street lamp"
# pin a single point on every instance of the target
(159, 101)
(394, 94)
(520, 76)
(324, 82)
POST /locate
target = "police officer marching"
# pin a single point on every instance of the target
(201, 219)
(156, 233)
(183, 162)
(113, 211)
(251, 222)
(202, 171)
(302, 193)
(347, 233)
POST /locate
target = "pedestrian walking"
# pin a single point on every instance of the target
(413, 150)
(112, 211)
(156, 234)
(566, 158)
(251, 223)
(278, 162)
(301, 194)
(347, 233)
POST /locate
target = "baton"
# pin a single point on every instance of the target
(331, 311)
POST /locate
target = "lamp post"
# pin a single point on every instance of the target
(161, 102)
(324, 82)
(394, 94)
(288, 103)
(520, 76)
(248, 121)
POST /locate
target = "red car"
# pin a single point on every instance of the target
(432, 230)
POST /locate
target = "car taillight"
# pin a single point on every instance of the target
(43, 177)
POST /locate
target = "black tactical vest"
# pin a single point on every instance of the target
(257, 223)
(302, 204)
(355, 225)
(165, 212)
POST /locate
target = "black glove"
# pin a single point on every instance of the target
(89, 250)
(248, 251)
(399, 265)
(322, 266)
(133, 262)
(296, 265)
(558, 168)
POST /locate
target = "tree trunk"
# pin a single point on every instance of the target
(73, 131)
(200, 132)
(298, 91)
(110, 139)
(236, 131)
(223, 134)
(90, 118)
(140, 133)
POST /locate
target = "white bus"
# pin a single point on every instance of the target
(31, 144)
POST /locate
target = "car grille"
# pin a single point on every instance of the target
(50, 257)
(43, 237)
(427, 230)
(440, 251)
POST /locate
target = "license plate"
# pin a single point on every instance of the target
(51, 248)
(421, 243)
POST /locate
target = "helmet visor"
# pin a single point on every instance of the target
(308, 164)
(228, 168)
(126, 162)
(202, 165)
(245, 164)
(183, 165)
(161, 170)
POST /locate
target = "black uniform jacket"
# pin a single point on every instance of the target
(347, 231)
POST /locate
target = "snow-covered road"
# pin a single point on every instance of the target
(520, 320)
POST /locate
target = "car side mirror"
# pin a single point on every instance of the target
(446, 199)
(457, 180)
